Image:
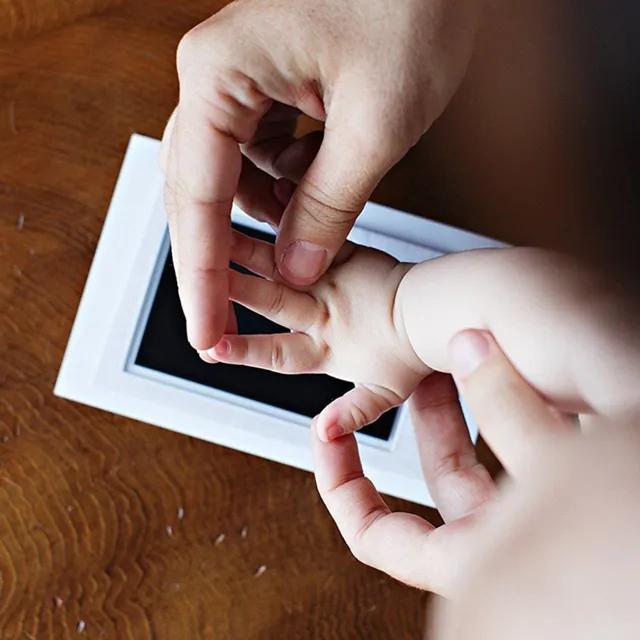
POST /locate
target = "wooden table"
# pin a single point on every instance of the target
(114, 529)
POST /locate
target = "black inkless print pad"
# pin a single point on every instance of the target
(164, 348)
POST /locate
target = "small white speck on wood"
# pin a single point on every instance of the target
(20, 222)
(59, 602)
(180, 513)
(69, 508)
(80, 626)
(260, 570)
(219, 539)
(244, 532)
(169, 530)
(5, 438)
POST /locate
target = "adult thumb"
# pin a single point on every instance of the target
(513, 418)
(327, 201)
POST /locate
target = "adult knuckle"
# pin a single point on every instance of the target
(194, 272)
(454, 463)
(436, 393)
(188, 51)
(195, 51)
(345, 480)
(358, 540)
(231, 98)
(325, 212)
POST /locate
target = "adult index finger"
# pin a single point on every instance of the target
(218, 111)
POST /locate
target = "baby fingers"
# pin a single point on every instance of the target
(256, 255)
(356, 409)
(279, 352)
(276, 302)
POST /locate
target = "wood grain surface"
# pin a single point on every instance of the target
(114, 529)
(22, 17)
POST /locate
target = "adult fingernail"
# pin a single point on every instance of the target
(303, 261)
(468, 350)
(283, 190)
(334, 432)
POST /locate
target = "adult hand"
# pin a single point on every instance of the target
(377, 72)
(514, 420)
(559, 556)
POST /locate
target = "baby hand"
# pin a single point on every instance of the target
(347, 325)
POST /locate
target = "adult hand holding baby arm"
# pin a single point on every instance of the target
(352, 308)
(378, 73)
(404, 545)
(554, 318)
(368, 319)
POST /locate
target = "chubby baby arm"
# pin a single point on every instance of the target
(553, 318)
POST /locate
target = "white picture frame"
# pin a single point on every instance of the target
(98, 367)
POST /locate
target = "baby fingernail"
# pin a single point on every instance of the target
(334, 432)
(303, 261)
(468, 350)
